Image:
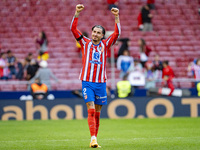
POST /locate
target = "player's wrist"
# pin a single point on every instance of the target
(116, 18)
(78, 11)
(76, 14)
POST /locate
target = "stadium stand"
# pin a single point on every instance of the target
(175, 37)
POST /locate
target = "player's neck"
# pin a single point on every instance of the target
(95, 42)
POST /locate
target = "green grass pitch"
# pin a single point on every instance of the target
(122, 134)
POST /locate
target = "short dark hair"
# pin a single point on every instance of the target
(85, 34)
(1, 54)
(149, 5)
(143, 41)
(99, 26)
(9, 51)
(166, 62)
(30, 54)
(125, 76)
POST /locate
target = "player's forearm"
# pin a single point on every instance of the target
(117, 19)
(117, 27)
(76, 14)
(74, 23)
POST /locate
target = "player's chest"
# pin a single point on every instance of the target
(96, 54)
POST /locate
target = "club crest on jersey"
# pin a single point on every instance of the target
(101, 49)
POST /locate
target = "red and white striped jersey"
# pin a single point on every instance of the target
(94, 56)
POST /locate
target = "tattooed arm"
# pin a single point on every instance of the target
(115, 12)
(79, 8)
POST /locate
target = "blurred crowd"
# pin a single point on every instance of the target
(23, 69)
(32, 69)
(139, 71)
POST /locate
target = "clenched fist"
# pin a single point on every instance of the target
(115, 11)
(79, 7)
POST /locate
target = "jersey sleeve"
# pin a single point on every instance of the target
(77, 34)
(113, 37)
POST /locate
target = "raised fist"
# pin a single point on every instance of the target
(79, 7)
(115, 11)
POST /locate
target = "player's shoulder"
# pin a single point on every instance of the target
(86, 39)
(103, 41)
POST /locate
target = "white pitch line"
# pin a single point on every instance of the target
(109, 139)
(162, 138)
(36, 140)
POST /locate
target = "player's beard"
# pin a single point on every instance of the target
(95, 41)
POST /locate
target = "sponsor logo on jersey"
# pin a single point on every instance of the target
(96, 58)
(95, 62)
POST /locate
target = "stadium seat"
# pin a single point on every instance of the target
(7, 87)
(170, 39)
(186, 85)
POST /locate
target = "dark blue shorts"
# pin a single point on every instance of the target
(95, 92)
